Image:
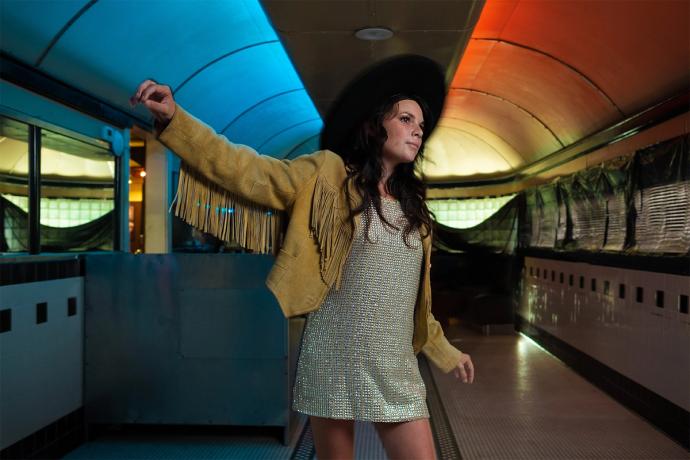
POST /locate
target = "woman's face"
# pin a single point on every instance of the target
(404, 126)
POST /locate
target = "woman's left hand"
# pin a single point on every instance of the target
(465, 369)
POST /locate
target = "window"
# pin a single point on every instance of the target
(75, 197)
(77, 194)
(14, 185)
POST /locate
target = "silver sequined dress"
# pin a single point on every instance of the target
(356, 359)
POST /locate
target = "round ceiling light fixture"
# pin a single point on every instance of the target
(374, 33)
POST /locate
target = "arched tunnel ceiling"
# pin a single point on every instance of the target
(531, 78)
(544, 75)
(222, 58)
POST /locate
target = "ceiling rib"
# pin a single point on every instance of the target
(300, 145)
(220, 58)
(62, 31)
(502, 99)
(248, 109)
(272, 136)
(561, 62)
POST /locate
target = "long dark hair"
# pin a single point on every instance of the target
(365, 168)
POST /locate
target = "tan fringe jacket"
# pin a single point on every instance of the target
(232, 192)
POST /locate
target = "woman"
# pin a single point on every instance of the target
(355, 257)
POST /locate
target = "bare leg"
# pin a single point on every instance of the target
(333, 439)
(407, 440)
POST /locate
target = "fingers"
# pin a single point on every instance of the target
(155, 88)
(154, 106)
(144, 91)
(470, 371)
(145, 84)
(462, 373)
(465, 369)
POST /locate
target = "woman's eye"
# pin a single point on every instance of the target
(405, 118)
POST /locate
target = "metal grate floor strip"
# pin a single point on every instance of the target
(446, 444)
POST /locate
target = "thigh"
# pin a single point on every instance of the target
(407, 440)
(333, 439)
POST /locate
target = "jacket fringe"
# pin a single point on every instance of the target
(333, 232)
(212, 209)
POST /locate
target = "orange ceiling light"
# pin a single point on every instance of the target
(539, 76)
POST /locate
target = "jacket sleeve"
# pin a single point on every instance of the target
(437, 348)
(261, 179)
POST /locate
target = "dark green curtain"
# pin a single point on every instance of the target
(91, 236)
(638, 204)
(496, 234)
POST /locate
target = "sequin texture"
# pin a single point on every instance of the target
(356, 359)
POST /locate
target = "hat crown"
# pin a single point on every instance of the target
(410, 74)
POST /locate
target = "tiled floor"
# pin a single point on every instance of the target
(523, 404)
(526, 404)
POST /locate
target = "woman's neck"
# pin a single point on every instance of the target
(384, 192)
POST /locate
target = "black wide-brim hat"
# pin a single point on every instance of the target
(408, 74)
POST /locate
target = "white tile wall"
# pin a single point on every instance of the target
(41, 365)
(648, 344)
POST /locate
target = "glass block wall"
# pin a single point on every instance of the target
(62, 212)
(467, 212)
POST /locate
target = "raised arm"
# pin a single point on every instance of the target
(238, 168)
(261, 179)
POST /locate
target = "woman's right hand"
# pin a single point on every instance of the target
(158, 99)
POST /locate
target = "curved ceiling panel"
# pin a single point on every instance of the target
(307, 145)
(14, 157)
(510, 156)
(282, 142)
(544, 75)
(224, 58)
(465, 150)
(636, 52)
(518, 128)
(226, 90)
(27, 31)
(275, 114)
(109, 50)
(553, 92)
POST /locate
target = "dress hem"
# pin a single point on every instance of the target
(366, 419)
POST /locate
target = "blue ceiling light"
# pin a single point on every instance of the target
(225, 60)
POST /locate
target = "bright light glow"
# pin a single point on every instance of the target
(142, 173)
(65, 212)
(459, 149)
(14, 161)
(467, 212)
(522, 345)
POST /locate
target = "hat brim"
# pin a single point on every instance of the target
(409, 74)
